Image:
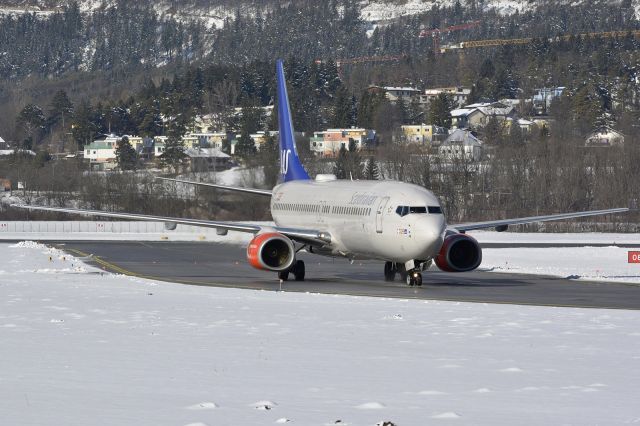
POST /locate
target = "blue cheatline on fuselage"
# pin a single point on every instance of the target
(290, 165)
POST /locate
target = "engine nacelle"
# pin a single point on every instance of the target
(459, 253)
(271, 251)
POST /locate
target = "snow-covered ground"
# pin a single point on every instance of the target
(80, 347)
(583, 263)
(378, 10)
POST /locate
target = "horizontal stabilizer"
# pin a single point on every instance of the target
(225, 187)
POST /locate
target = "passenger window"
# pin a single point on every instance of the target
(435, 209)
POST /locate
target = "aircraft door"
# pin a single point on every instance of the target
(379, 212)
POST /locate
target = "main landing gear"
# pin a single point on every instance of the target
(412, 277)
(297, 269)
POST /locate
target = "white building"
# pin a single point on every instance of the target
(329, 142)
(543, 97)
(477, 115)
(406, 94)
(459, 95)
(604, 136)
(461, 144)
(204, 140)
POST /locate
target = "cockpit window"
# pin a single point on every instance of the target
(402, 210)
(405, 210)
(419, 209)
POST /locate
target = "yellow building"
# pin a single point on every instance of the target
(423, 133)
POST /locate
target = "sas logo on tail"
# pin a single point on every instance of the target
(284, 161)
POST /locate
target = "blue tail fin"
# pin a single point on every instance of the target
(290, 166)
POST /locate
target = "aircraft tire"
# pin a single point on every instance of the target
(298, 270)
(283, 275)
(389, 272)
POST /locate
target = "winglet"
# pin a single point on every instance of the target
(290, 166)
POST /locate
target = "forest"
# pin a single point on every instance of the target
(124, 69)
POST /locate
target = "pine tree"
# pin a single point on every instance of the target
(342, 116)
(31, 120)
(269, 160)
(84, 128)
(126, 155)
(60, 109)
(245, 148)
(340, 167)
(173, 154)
(371, 171)
(440, 111)
(516, 137)
(354, 161)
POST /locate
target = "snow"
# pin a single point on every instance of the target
(582, 263)
(380, 10)
(83, 347)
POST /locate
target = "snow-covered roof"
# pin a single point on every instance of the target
(496, 110)
(522, 121)
(205, 153)
(400, 89)
(461, 112)
(448, 90)
(1, 140)
(464, 137)
(19, 151)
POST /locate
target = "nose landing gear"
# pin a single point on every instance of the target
(412, 277)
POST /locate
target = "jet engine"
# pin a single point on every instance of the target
(459, 253)
(271, 251)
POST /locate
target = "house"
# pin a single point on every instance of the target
(328, 142)
(423, 133)
(258, 138)
(206, 159)
(461, 144)
(527, 126)
(459, 95)
(475, 116)
(101, 153)
(204, 140)
(604, 136)
(393, 94)
(543, 97)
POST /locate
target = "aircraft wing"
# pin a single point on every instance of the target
(225, 187)
(308, 236)
(502, 225)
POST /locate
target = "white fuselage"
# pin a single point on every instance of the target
(363, 218)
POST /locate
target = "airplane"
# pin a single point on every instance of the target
(398, 223)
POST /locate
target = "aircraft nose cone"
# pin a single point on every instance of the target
(430, 231)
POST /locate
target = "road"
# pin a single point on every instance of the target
(224, 265)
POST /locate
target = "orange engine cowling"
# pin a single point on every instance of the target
(271, 251)
(459, 253)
